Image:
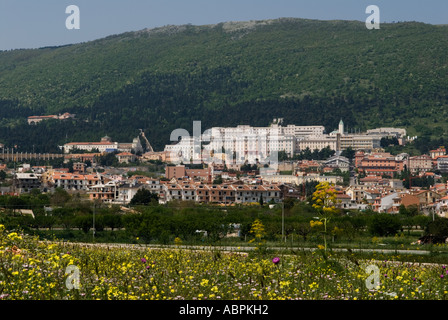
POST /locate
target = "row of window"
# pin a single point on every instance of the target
(225, 199)
(270, 194)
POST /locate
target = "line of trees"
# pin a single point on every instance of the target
(188, 221)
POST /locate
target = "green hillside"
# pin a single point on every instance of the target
(306, 71)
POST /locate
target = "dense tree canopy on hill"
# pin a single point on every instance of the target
(306, 71)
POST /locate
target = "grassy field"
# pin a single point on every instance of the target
(33, 269)
(403, 241)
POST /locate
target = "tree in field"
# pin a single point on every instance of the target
(144, 197)
(60, 197)
(438, 229)
(324, 201)
(258, 230)
(303, 229)
(384, 224)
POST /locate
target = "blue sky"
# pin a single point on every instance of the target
(39, 23)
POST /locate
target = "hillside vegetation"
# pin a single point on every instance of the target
(306, 71)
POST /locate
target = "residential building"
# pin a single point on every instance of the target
(343, 200)
(396, 184)
(205, 174)
(203, 193)
(188, 192)
(177, 172)
(300, 179)
(409, 200)
(73, 181)
(427, 197)
(422, 163)
(281, 179)
(307, 166)
(173, 191)
(440, 188)
(442, 207)
(24, 182)
(253, 193)
(441, 151)
(225, 194)
(126, 157)
(374, 181)
(216, 195)
(180, 172)
(356, 192)
(389, 203)
(108, 192)
(155, 156)
(338, 162)
(126, 192)
(442, 163)
(79, 167)
(154, 186)
(381, 164)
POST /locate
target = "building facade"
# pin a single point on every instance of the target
(380, 164)
(105, 145)
(221, 194)
(422, 163)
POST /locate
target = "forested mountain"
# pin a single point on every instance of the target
(306, 71)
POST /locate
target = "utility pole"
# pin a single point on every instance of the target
(93, 231)
(283, 219)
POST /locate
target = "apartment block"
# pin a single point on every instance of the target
(108, 192)
(221, 194)
(24, 182)
(441, 151)
(73, 181)
(442, 164)
(180, 171)
(421, 163)
(378, 164)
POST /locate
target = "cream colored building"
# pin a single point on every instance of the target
(104, 145)
(360, 142)
(291, 179)
(318, 142)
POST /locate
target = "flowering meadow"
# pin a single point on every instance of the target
(31, 269)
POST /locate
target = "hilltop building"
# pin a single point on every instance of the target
(37, 119)
(105, 145)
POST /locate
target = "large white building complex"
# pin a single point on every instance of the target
(340, 140)
(246, 143)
